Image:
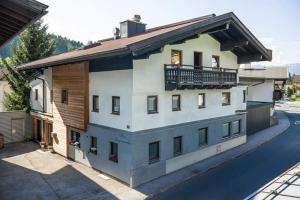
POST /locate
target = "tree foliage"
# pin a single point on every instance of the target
(35, 43)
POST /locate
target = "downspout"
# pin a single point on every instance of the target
(43, 92)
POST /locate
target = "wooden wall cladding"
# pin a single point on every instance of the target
(75, 79)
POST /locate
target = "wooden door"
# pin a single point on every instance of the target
(17, 130)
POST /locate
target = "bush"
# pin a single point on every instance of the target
(293, 97)
(290, 92)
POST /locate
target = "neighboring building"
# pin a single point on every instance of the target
(296, 80)
(4, 88)
(261, 93)
(148, 101)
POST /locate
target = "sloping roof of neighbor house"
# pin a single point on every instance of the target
(272, 73)
(16, 15)
(296, 79)
(227, 29)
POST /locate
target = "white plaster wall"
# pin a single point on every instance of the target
(4, 88)
(262, 92)
(148, 79)
(38, 84)
(196, 156)
(106, 85)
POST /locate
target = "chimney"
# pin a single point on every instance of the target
(132, 27)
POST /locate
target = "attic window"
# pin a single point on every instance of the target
(215, 62)
(176, 57)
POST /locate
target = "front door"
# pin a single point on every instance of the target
(39, 130)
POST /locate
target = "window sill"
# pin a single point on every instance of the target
(115, 113)
(226, 104)
(152, 112)
(153, 161)
(96, 111)
(174, 110)
(200, 107)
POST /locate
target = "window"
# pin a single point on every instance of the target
(75, 138)
(201, 100)
(203, 136)
(64, 96)
(116, 105)
(95, 103)
(36, 94)
(51, 96)
(175, 102)
(113, 156)
(152, 104)
(225, 98)
(177, 146)
(176, 57)
(226, 130)
(153, 152)
(198, 60)
(215, 61)
(236, 127)
(93, 148)
(244, 96)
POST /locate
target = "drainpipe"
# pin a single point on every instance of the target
(43, 92)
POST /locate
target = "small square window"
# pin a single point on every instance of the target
(244, 96)
(153, 152)
(236, 127)
(152, 104)
(177, 145)
(203, 136)
(93, 148)
(226, 130)
(36, 94)
(116, 105)
(95, 103)
(64, 96)
(225, 98)
(175, 102)
(201, 100)
(113, 156)
(176, 57)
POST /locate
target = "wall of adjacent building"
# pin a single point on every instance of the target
(4, 88)
(261, 92)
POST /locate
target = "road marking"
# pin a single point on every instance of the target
(103, 177)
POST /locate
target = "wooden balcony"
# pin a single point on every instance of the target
(191, 77)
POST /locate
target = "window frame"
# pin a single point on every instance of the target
(204, 102)
(200, 59)
(180, 56)
(64, 96)
(179, 102)
(113, 156)
(175, 154)
(113, 105)
(229, 99)
(217, 58)
(206, 137)
(157, 157)
(239, 127)
(229, 130)
(244, 96)
(36, 94)
(95, 106)
(156, 104)
(93, 139)
(51, 96)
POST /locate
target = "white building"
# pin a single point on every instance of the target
(4, 88)
(149, 101)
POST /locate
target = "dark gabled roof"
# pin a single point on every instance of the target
(226, 28)
(16, 15)
(296, 79)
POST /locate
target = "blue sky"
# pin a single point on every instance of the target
(275, 23)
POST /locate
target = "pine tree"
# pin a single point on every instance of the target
(35, 43)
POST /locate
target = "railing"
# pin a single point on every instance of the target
(189, 76)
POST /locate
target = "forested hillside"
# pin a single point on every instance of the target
(62, 44)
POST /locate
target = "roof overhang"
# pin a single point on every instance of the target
(16, 15)
(227, 29)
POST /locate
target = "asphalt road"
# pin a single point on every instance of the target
(240, 177)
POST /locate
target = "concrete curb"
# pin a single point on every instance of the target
(169, 181)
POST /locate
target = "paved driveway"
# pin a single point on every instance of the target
(242, 176)
(28, 173)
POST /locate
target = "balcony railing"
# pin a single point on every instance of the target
(191, 77)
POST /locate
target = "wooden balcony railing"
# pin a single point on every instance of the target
(190, 77)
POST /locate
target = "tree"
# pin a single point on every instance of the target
(35, 43)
